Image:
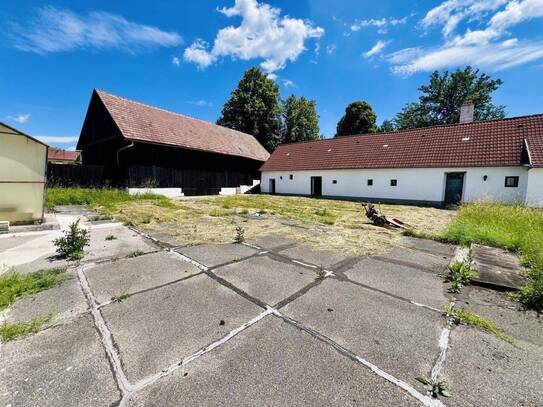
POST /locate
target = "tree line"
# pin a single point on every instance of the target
(255, 107)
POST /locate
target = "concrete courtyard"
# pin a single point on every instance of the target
(268, 322)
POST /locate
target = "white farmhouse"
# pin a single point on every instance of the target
(497, 160)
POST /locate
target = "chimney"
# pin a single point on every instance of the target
(466, 112)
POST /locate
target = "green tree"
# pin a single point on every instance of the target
(359, 118)
(443, 96)
(300, 120)
(387, 126)
(253, 108)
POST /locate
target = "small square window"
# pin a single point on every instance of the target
(334, 181)
(511, 182)
(280, 177)
(291, 176)
(370, 182)
(393, 182)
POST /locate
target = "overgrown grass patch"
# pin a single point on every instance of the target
(14, 285)
(13, 330)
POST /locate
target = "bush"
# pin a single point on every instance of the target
(71, 246)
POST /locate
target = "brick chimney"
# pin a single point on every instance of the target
(466, 112)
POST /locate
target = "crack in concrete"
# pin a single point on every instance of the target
(425, 400)
(443, 345)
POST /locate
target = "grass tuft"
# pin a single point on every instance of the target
(119, 297)
(13, 330)
(14, 286)
(135, 253)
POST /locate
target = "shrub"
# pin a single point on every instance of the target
(240, 234)
(71, 246)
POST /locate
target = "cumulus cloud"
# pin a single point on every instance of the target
(56, 30)
(176, 61)
(331, 48)
(20, 118)
(263, 33)
(382, 24)
(488, 47)
(376, 49)
(287, 83)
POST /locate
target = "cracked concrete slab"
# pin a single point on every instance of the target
(273, 363)
(400, 338)
(497, 267)
(433, 263)
(268, 280)
(525, 325)
(271, 242)
(211, 255)
(157, 328)
(319, 258)
(482, 370)
(406, 282)
(61, 366)
(64, 301)
(136, 274)
(126, 242)
(430, 246)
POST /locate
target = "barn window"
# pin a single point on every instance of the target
(334, 181)
(370, 182)
(291, 176)
(280, 177)
(511, 182)
(393, 182)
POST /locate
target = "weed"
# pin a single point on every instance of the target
(111, 237)
(135, 253)
(435, 387)
(240, 234)
(460, 274)
(119, 297)
(71, 246)
(321, 274)
(464, 317)
(14, 286)
(146, 220)
(13, 330)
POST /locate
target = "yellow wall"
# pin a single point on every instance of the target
(22, 177)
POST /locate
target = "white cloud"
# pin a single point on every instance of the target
(376, 49)
(382, 23)
(56, 30)
(287, 83)
(331, 48)
(176, 61)
(20, 118)
(263, 33)
(200, 103)
(487, 48)
(58, 139)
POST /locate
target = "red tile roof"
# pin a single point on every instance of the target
(140, 122)
(63, 155)
(492, 143)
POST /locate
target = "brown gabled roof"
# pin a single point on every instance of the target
(63, 155)
(144, 123)
(480, 144)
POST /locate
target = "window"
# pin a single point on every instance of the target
(511, 182)
(334, 181)
(280, 177)
(370, 182)
(291, 176)
(393, 182)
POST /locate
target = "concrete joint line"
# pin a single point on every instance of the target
(418, 304)
(107, 340)
(304, 264)
(425, 400)
(443, 345)
(186, 360)
(254, 246)
(146, 236)
(189, 260)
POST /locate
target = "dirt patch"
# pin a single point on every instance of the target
(340, 226)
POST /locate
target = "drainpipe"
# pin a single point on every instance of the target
(121, 149)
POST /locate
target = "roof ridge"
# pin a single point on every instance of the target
(167, 111)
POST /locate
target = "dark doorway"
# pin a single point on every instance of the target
(316, 186)
(272, 186)
(454, 187)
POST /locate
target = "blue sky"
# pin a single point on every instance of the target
(188, 56)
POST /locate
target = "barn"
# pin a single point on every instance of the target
(498, 160)
(139, 145)
(23, 161)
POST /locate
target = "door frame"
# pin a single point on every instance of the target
(313, 179)
(456, 173)
(271, 186)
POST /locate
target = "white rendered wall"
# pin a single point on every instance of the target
(413, 184)
(534, 191)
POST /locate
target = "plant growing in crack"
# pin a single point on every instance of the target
(71, 246)
(135, 253)
(240, 234)
(435, 387)
(321, 274)
(119, 297)
(459, 275)
(111, 237)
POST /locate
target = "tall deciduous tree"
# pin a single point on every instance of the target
(443, 96)
(254, 108)
(359, 118)
(300, 120)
